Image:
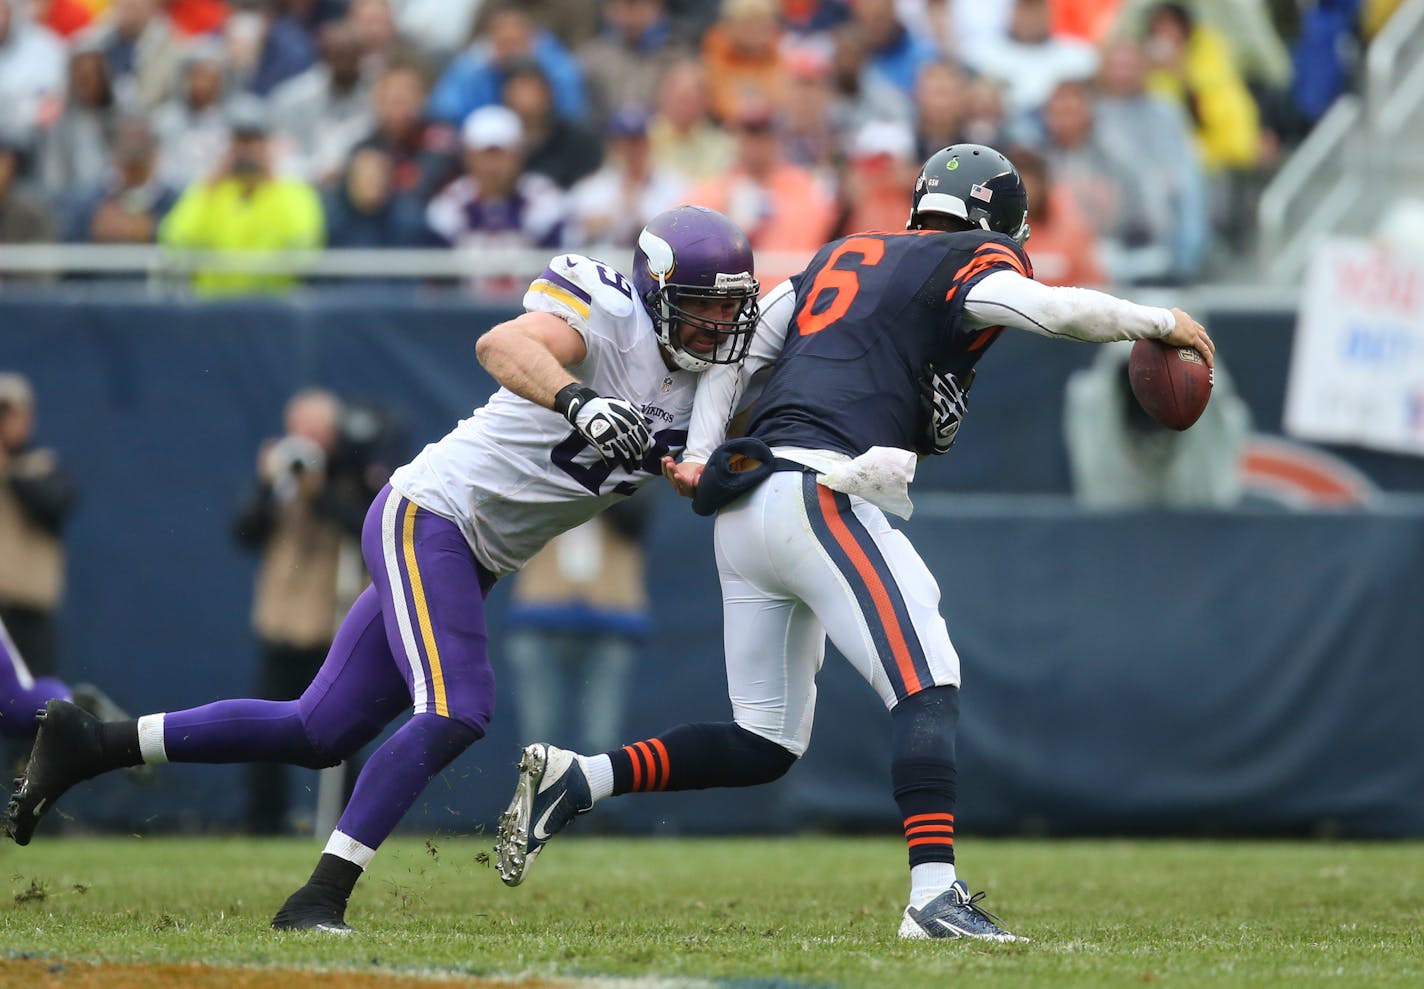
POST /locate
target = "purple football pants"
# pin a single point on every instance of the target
(21, 694)
(415, 636)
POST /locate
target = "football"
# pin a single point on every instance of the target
(1171, 383)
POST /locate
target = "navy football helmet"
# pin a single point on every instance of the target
(691, 253)
(975, 183)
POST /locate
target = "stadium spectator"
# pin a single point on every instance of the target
(423, 156)
(1087, 20)
(882, 165)
(742, 56)
(324, 112)
(32, 76)
(617, 201)
(476, 76)
(142, 50)
(73, 152)
(1191, 64)
(24, 218)
(438, 27)
(941, 108)
(572, 22)
(496, 204)
(808, 132)
(1121, 458)
(1031, 60)
(954, 26)
(623, 64)
(861, 95)
(782, 207)
(364, 209)
(813, 20)
(37, 496)
(577, 615)
(127, 207)
(565, 150)
(1063, 244)
(245, 207)
(986, 119)
(192, 128)
(684, 138)
(894, 53)
(382, 42)
(264, 47)
(298, 523)
(197, 18)
(65, 18)
(1161, 234)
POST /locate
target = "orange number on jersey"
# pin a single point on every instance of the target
(845, 282)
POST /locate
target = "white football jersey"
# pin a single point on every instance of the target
(514, 474)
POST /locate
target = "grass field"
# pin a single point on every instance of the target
(744, 913)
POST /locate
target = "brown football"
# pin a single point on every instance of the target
(1172, 383)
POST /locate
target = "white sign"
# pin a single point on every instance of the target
(1357, 361)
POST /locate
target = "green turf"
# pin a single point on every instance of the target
(807, 911)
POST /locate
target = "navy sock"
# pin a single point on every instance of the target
(923, 771)
(696, 757)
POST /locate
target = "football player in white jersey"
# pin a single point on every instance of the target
(598, 376)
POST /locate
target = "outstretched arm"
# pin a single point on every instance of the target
(1006, 298)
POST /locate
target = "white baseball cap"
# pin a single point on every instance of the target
(493, 126)
(883, 137)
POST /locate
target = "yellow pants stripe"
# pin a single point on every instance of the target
(422, 611)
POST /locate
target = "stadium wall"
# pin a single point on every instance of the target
(1246, 672)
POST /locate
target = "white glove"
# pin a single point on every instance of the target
(614, 428)
(945, 401)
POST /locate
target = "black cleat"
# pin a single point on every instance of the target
(103, 707)
(313, 908)
(67, 751)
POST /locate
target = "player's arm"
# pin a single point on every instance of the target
(1007, 298)
(531, 354)
(726, 391)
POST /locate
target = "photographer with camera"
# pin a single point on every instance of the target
(36, 497)
(304, 517)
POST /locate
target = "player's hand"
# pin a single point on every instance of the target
(944, 400)
(614, 428)
(1189, 333)
(683, 477)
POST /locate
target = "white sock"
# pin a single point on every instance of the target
(598, 770)
(150, 738)
(928, 880)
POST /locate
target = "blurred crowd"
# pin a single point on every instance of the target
(1144, 129)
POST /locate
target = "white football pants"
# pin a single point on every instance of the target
(799, 561)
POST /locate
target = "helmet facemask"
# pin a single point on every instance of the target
(667, 303)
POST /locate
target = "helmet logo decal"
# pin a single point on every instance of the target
(952, 164)
(981, 193)
(660, 256)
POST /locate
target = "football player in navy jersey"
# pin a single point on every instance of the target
(598, 378)
(866, 356)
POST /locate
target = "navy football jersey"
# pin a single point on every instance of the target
(873, 311)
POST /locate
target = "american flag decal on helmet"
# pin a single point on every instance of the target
(981, 192)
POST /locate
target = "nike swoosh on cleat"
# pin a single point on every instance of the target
(39, 807)
(539, 832)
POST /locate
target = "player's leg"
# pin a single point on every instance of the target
(72, 745)
(774, 648)
(432, 601)
(880, 605)
(21, 693)
(356, 693)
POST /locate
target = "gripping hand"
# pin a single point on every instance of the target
(613, 427)
(944, 400)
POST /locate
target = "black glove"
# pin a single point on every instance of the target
(943, 401)
(614, 428)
